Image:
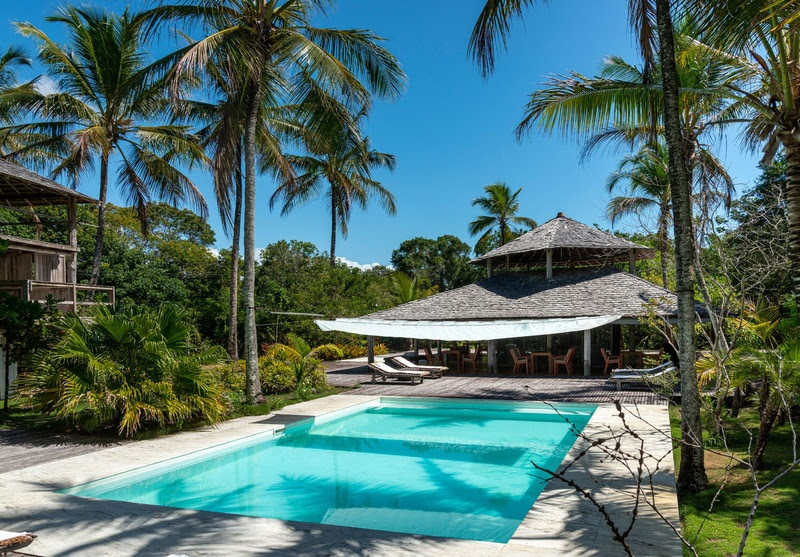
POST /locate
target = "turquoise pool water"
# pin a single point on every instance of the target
(436, 467)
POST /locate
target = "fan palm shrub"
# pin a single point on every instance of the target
(126, 369)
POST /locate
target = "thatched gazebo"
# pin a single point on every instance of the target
(556, 279)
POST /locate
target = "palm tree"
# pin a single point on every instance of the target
(646, 173)
(12, 60)
(406, 288)
(107, 96)
(345, 162)
(651, 21)
(275, 53)
(500, 207)
(647, 177)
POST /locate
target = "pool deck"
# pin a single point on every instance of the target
(552, 388)
(560, 523)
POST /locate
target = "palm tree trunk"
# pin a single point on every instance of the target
(252, 383)
(768, 417)
(692, 476)
(333, 234)
(663, 241)
(792, 147)
(233, 318)
(101, 220)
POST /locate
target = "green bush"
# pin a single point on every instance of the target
(231, 376)
(350, 351)
(127, 370)
(380, 348)
(327, 352)
(277, 377)
(280, 352)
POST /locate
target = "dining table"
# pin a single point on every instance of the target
(452, 352)
(631, 358)
(533, 357)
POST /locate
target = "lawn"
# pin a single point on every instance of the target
(776, 529)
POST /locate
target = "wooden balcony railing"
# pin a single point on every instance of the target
(68, 297)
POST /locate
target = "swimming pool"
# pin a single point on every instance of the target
(449, 468)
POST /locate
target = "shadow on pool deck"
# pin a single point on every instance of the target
(98, 527)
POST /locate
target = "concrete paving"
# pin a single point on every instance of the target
(559, 524)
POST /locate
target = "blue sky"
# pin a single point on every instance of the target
(452, 132)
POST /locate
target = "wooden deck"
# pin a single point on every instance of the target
(21, 448)
(592, 389)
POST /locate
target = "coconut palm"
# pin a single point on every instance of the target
(761, 40)
(275, 54)
(106, 103)
(345, 163)
(11, 61)
(500, 208)
(407, 288)
(651, 22)
(126, 369)
(646, 175)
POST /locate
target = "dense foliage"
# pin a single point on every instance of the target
(126, 369)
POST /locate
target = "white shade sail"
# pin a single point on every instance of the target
(465, 330)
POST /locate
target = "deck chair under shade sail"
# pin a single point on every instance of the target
(609, 361)
(384, 371)
(639, 376)
(519, 360)
(565, 360)
(11, 541)
(430, 358)
(403, 363)
(472, 360)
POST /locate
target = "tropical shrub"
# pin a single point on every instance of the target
(380, 348)
(327, 352)
(285, 369)
(231, 377)
(128, 370)
(280, 351)
(350, 351)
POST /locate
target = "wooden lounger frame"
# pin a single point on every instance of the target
(385, 372)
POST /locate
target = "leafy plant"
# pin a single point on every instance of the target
(327, 352)
(127, 370)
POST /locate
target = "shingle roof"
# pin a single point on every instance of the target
(19, 187)
(570, 293)
(572, 242)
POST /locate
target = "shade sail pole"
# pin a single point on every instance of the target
(491, 357)
(587, 352)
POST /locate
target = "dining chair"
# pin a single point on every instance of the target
(565, 360)
(519, 360)
(431, 359)
(471, 360)
(609, 360)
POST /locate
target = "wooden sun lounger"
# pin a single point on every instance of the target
(11, 541)
(435, 371)
(385, 371)
(639, 376)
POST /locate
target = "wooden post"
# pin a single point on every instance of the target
(616, 339)
(416, 350)
(587, 352)
(632, 261)
(370, 349)
(491, 357)
(72, 240)
(489, 267)
(508, 263)
(550, 343)
(549, 269)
